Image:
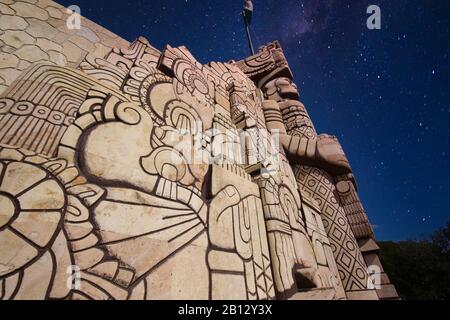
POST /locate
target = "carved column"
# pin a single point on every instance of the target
(315, 159)
(299, 273)
(363, 232)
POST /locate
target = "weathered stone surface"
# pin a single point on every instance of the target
(47, 45)
(57, 57)
(387, 292)
(23, 65)
(4, 9)
(82, 43)
(40, 29)
(16, 39)
(29, 10)
(54, 12)
(31, 53)
(45, 22)
(72, 52)
(11, 245)
(8, 59)
(12, 22)
(8, 209)
(9, 74)
(315, 294)
(88, 34)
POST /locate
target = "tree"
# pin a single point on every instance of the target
(420, 269)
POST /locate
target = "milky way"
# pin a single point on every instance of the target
(384, 93)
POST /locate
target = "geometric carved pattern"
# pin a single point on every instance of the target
(353, 208)
(318, 185)
(296, 119)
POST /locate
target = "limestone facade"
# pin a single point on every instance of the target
(127, 172)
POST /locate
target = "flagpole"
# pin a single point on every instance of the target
(249, 37)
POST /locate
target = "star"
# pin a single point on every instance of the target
(329, 53)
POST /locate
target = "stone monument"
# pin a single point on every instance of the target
(132, 173)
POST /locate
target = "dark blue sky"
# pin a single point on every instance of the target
(384, 93)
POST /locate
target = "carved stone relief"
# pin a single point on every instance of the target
(134, 173)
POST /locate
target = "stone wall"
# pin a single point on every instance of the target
(36, 30)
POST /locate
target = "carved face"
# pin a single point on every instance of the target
(281, 88)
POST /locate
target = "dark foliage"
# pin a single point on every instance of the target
(419, 269)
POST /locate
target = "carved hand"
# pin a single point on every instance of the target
(324, 152)
(330, 153)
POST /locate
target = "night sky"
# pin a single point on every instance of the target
(385, 93)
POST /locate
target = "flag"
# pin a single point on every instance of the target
(248, 11)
